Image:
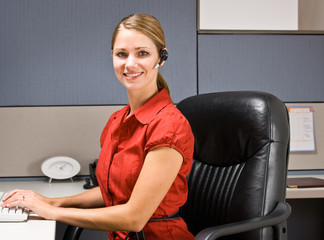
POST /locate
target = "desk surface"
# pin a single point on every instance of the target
(303, 193)
(57, 188)
(37, 229)
(45, 229)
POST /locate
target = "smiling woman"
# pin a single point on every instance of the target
(146, 151)
(151, 28)
(134, 59)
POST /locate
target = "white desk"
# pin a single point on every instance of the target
(36, 228)
(303, 193)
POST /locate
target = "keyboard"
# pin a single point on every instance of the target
(14, 214)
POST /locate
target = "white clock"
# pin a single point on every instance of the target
(60, 168)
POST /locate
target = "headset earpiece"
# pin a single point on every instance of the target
(164, 56)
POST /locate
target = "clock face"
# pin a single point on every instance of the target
(60, 167)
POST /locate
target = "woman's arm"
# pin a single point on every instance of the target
(88, 199)
(160, 168)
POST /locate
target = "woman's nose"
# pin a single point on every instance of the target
(131, 61)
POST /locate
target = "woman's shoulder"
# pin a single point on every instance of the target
(171, 116)
(170, 111)
(170, 128)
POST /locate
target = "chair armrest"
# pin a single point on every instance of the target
(72, 233)
(275, 218)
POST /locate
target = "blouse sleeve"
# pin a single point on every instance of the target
(171, 130)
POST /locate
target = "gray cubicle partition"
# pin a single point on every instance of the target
(288, 66)
(58, 52)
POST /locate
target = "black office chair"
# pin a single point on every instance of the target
(238, 178)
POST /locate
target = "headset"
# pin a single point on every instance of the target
(164, 57)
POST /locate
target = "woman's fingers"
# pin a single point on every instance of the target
(16, 198)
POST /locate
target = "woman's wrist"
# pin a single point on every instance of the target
(57, 202)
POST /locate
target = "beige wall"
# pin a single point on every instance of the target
(254, 15)
(311, 160)
(311, 15)
(29, 135)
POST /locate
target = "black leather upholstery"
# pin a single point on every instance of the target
(240, 159)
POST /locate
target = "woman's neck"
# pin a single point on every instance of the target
(137, 99)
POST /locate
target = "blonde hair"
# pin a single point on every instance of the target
(149, 26)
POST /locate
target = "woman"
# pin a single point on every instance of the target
(146, 150)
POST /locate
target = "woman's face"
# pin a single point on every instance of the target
(134, 59)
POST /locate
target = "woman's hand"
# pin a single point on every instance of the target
(35, 202)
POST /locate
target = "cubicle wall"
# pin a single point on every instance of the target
(288, 66)
(58, 52)
(55, 54)
(30, 135)
(267, 16)
(311, 160)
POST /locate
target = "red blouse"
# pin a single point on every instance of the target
(124, 145)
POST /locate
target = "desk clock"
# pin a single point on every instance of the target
(60, 167)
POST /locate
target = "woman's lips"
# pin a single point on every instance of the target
(132, 75)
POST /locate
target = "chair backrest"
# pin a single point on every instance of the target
(240, 159)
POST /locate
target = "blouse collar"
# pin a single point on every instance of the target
(149, 109)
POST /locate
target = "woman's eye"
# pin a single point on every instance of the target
(143, 53)
(121, 54)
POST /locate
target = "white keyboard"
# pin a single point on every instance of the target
(15, 214)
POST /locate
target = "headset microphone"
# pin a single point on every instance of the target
(164, 56)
